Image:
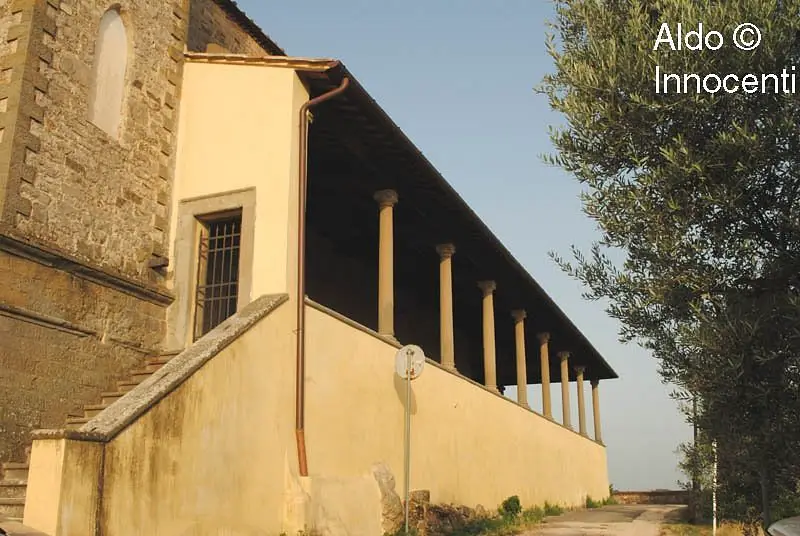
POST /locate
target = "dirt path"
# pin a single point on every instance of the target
(622, 520)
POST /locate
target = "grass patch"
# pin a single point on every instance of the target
(552, 509)
(512, 519)
(686, 529)
(591, 503)
(504, 525)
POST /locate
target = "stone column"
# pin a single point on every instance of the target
(522, 370)
(447, 338)
(564, 357)
(386, 199)
(598, 436)
(544, 356)
(581, 402)
(489, 364)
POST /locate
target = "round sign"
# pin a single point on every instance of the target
(409, 361)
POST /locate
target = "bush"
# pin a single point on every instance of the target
(510, 508)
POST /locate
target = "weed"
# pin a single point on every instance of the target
(552, 509)
(591, 503)
(510, 508)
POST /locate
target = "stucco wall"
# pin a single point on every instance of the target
(213, 453)
(468, 446)
(247, 138)
(219, 451)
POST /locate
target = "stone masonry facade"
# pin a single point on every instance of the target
(82, 214)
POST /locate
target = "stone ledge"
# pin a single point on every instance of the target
(45, 320)
(652, 497)
(13, 243)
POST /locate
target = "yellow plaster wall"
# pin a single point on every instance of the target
(469, 446)
(218, 454)
(63, 486)
(211, 457)
(44, 485)
(239, 129)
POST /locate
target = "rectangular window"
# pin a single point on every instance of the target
(217, 270)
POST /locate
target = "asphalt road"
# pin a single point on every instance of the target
(618, 520)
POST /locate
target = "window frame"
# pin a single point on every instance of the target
(182, 320)
(205, 222)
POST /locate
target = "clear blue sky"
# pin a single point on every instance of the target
(458, 81)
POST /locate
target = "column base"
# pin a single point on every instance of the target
(389, 336)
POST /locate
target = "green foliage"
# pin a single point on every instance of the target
(510, 508)
(402, 532)
(552, 509)
(532, 516)
(512, 520)
(592, 504)
(696, 197)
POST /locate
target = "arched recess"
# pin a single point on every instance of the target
(108, 76)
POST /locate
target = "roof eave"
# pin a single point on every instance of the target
(339, 71)
(311, 70)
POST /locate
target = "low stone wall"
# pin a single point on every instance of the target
(652, 497)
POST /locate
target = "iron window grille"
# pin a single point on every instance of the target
(217, 270)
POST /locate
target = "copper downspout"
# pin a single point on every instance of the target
(300, 392)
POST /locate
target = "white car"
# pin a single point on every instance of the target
(785, 527)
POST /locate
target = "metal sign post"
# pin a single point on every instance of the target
(407, 454)
(409, 362)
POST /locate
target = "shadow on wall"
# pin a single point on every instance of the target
(400, 389)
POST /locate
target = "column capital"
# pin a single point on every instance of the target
(446, 251)
(386, 198)
(594, 382)
(543, 337)
(563, 356)
(519, 315)
(580, 369)
(487, 287)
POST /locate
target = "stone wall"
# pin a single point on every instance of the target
(81, 212)
(63, 340)
(81, 206)
(99, 199)
(652, 497)
(221, 23)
